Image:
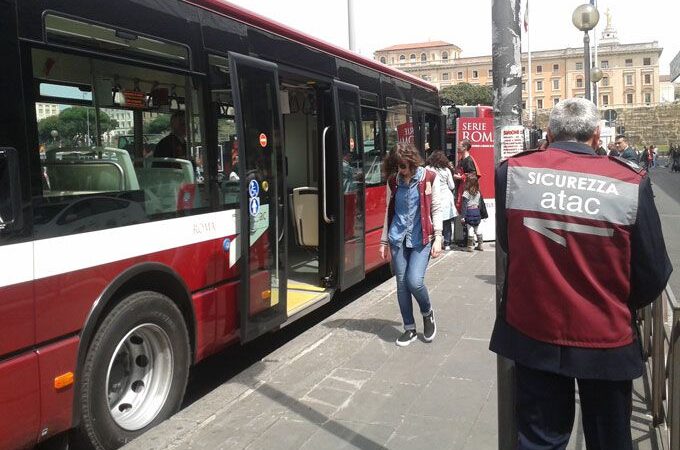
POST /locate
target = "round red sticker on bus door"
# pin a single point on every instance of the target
(263, 140)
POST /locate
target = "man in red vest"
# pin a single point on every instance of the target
(565, 218)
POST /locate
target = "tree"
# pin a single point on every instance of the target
(466, 94)
(73, 125)
(159, 125)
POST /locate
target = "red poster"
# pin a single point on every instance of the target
(479, 130)
(405, 132)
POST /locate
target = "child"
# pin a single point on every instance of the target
(471, 215)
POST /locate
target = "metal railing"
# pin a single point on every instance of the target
(660, 331)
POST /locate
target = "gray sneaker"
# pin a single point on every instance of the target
(430, 327)
(406, 338)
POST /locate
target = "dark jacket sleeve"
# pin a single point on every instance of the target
(650, 266)
(501, 220)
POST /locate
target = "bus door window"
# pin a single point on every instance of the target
(432, 133)
(228, 158)
(374, 151)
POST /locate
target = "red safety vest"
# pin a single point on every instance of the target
(569, 222)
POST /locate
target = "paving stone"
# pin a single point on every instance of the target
(341, 434)
(418, 432)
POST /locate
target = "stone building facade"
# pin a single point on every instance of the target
(631, 71)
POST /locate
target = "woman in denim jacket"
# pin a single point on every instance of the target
(413, 231)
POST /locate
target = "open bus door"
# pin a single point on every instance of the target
(343, 184)
(262, 295)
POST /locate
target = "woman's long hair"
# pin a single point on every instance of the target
(472, 184)
(438, 160)
(403, 151)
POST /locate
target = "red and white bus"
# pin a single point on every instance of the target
(122, 264)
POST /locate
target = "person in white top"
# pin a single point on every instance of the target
(439, 163)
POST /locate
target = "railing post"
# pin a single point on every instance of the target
(646, 332)
(674, 381)
(658, 362)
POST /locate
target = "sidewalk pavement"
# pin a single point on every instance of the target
(345, 384)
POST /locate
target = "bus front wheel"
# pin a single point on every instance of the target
(135, 372)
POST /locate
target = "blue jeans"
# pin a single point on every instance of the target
(409, 266)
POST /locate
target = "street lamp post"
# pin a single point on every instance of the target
(585, 18)
(595, 76)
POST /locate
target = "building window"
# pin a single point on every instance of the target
(629, 79)
(539, 85)
(423, 57)
(648, 97)
(629, 62)
(460, 75)
(579, 82)
(605, 100)
(402, 58)
(556, 84)
(629, 98)
(556, 100)
(539, 103)
(475, 74)
(412, 57)
(604, 64)
(539, 69)
(579, 66)
(490, 73)
(648, 78)
(605, 81)
(445, 55)
(383, 60)
(646, 61)
(445, 76)
(524, 86)
(556, 67)
(524, 70)
(524, 104)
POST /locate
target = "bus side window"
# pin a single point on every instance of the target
(100, 159)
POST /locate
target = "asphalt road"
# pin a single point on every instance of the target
(667, 192)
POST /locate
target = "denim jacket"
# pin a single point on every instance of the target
(429, 209)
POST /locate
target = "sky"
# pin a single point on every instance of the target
(382, 23)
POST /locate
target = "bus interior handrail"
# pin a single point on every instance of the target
(660, 334)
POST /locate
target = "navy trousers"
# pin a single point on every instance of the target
(545, 411)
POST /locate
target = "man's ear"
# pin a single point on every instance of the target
(595, 139)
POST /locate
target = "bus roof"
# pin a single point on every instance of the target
(256, 20)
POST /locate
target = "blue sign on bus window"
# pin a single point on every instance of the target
(253, 188)
(254, 206)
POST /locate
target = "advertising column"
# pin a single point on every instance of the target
(479, 130)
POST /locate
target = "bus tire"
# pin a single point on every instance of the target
(135, 372)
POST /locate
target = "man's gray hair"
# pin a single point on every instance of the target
(574, 119)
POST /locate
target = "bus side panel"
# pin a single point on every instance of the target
(19, 401)
(63, 301)
(16, 313)
(375, 216)
(227, 314)
(56, 405)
